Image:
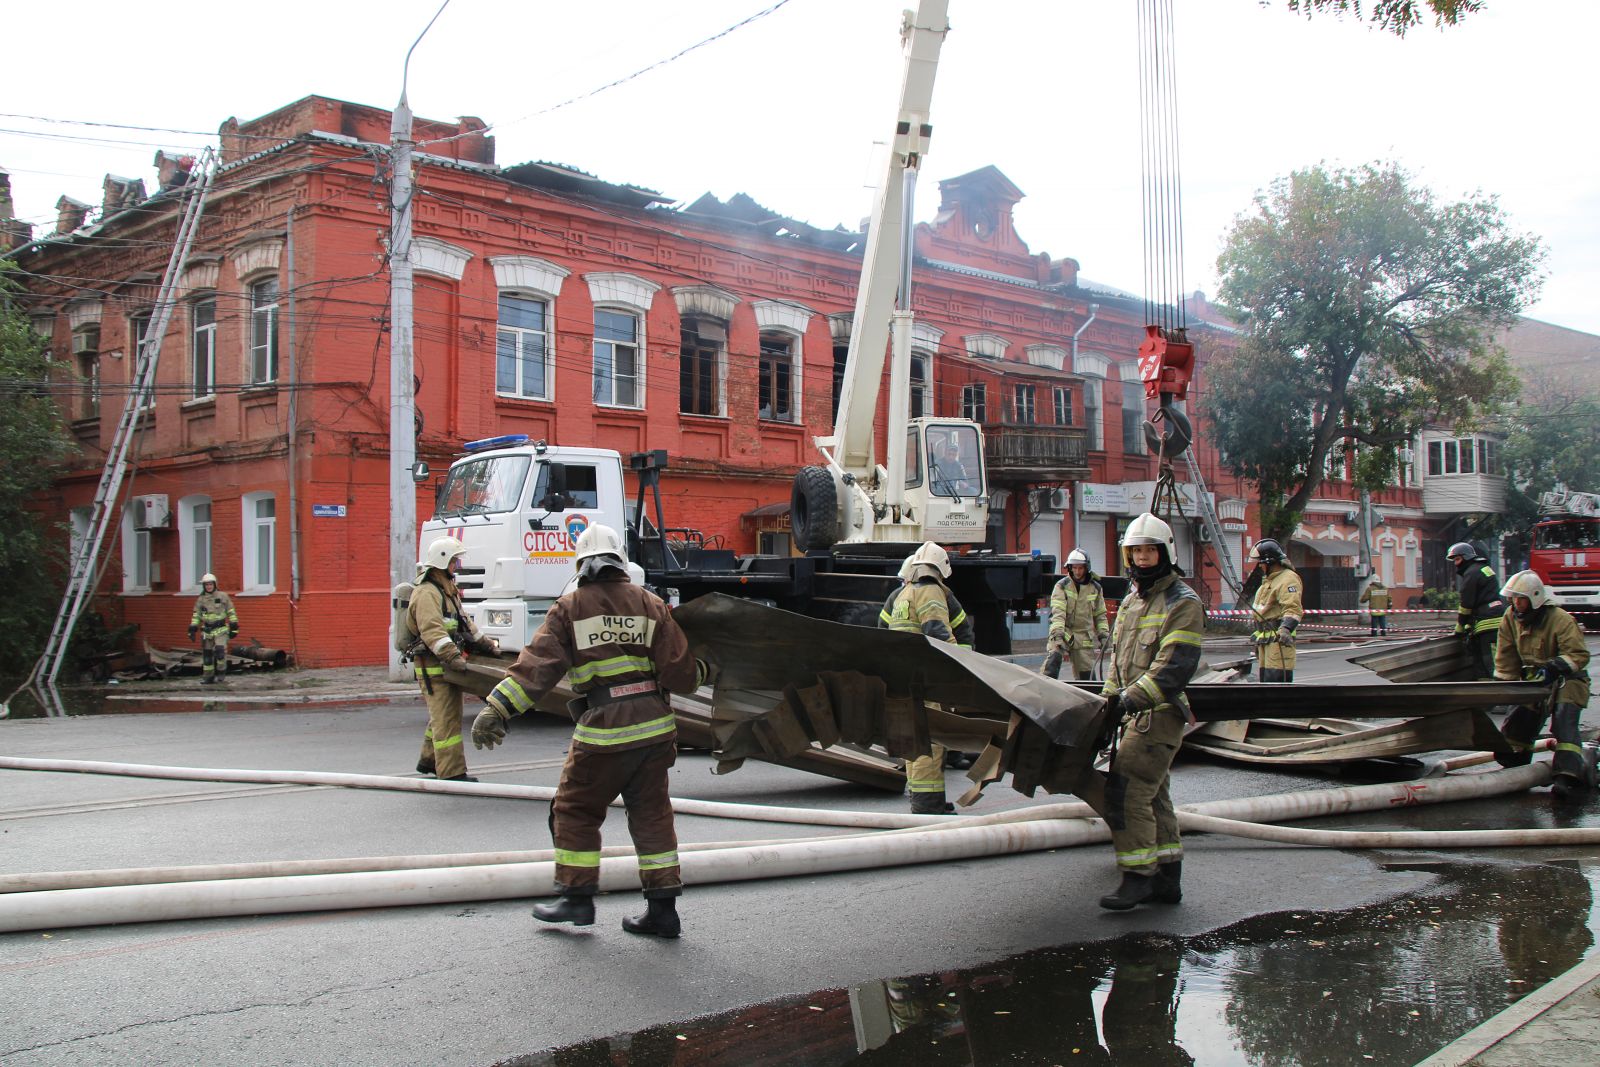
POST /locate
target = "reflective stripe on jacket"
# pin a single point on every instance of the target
(921, 607)
(1377, 598)
(1156, 646)
(1077, 613)
(213, 612)
(1481, 606)
(1550, 633)
(960, 624)
(438, 619)
(602, 636)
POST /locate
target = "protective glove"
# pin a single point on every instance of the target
(707, 671)
(192, 631)
(487, 645)
(1463, 630)
(233, 631)
(1104, 640)
(1113, 719)
(1551, 670)
(457, 662)
(1284, 638)
(489, 728)
(1051, 667)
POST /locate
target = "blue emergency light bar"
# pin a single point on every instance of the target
(508, 440)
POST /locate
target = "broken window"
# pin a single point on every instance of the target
(920, 362)
(86, 350)
(776, 393)
(1022, 407)
(703, 342)
(1063, 405)
(975, 402)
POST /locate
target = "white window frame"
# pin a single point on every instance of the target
(921, 398)
(521, 338)
(202, 348)
(610, 347)
(135, 555)
(1024, 404)
(253, 529)
(190, 532)
(793, 339)
(136, 349)
(1061, 404)
(259, 313)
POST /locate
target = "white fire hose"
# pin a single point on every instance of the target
(221, 890)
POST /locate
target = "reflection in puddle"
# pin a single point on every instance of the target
(1386, 984)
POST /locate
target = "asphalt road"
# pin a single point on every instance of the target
(482, 983)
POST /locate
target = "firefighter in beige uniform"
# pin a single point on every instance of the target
(1277, 610)
(922, 607)
(1154, 653)
(1376, 597)
(214, 620)
(1539, 641)
(444, 635)
(618, 647)
(1077, 619)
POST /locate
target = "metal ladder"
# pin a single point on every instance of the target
(1208, 515)
(84, 576)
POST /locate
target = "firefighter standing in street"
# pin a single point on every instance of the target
(444, 635)
(960, 624)
(1155, 651)
(1539, 641)
(1078, 625)
(214, 620)
(1478, 617)
(618, 647)
(923, 606)
(1277, 610)
(1376, 597)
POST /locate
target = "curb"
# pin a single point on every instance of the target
(1524, 1012)
(264, 698)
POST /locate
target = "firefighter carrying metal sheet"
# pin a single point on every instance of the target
(1478, 616)
(922, 606)
(1539, 641)
(960, 623)
(618, 647)
(1155, 650)
(1277, 610)
(445, 633)
(1078, 619)
(214, 620)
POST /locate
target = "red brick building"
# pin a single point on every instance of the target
(552, 303)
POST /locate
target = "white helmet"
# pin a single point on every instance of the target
(1146, 529)
(1077, 557)
(906, 568)
(442, 551)
(208, 577)
(931, 555)
(600, 540)
(1528, 584)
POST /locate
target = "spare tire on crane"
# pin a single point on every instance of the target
(814, 509)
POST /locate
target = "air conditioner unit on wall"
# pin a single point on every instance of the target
(150, 512)
(1060, 499)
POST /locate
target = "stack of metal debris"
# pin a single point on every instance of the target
(177, 662)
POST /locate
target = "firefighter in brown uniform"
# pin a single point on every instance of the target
(922, 606)
(444, 635)
(1078, 623)
(214, 620)
(1277, 609)
(1155, 650)
(1478, 616)
(1539, 641)
(618, 647)
(1376, 597)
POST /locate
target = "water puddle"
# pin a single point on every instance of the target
(1386, 985)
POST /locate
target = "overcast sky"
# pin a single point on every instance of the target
(788, 107)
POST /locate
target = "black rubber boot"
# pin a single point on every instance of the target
(1566, 787)
(1169, 884)
(931, 804)
(660, 919)
(1135, 889)
(577, 910)
(424, 766)
(459, 778)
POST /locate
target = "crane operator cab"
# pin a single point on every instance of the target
(945, 486)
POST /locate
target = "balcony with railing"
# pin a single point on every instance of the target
(1029, 452)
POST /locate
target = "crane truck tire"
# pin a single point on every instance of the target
(814, 509)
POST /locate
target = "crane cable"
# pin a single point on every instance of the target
(1160, 167)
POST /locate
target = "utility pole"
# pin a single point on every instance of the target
(402, 393)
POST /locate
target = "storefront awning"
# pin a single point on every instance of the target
(1328, 546)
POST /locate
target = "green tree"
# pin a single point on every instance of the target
(1369, 309)
(33, 442)
(1393, 16)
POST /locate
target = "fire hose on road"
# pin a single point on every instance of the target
(300, 886)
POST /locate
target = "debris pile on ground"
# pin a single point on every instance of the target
(171, 662)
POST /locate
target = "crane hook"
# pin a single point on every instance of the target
(1179, 435)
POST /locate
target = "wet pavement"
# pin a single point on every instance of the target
(1387, 984)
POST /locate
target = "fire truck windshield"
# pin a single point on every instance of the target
(1567, 534)
(482, 486)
